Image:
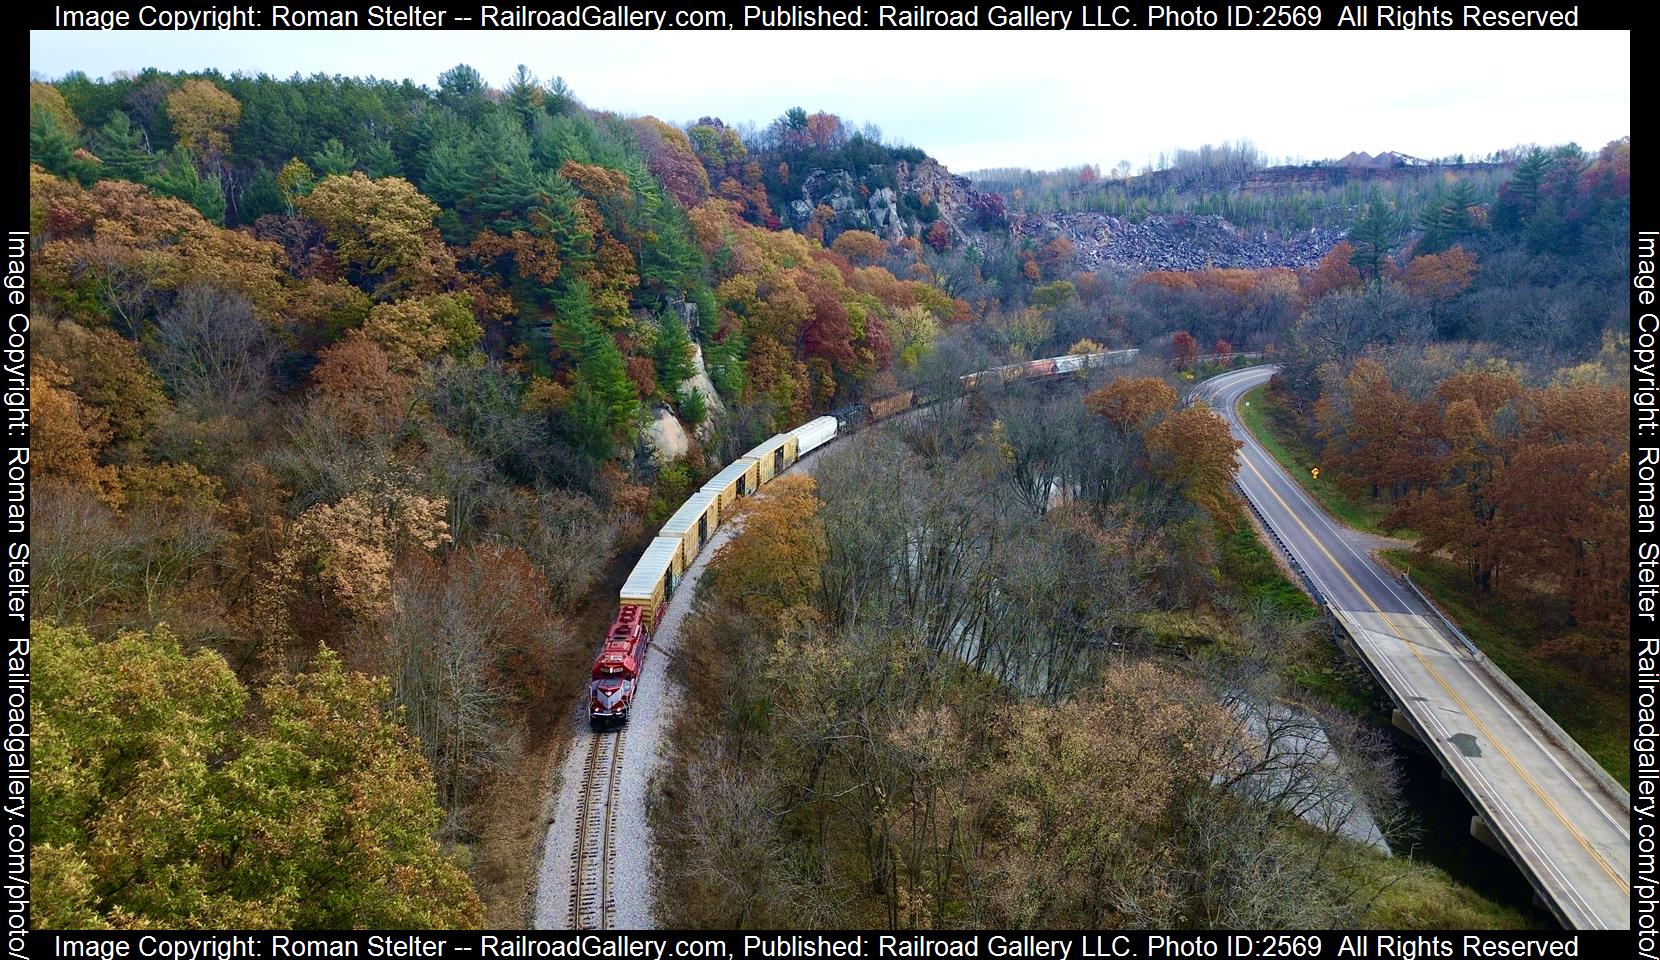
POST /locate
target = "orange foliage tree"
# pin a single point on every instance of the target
(1193, 450)
(1129, 402)
(771, 567)
(1333, 272)
(1184, 350)
(1438, 277)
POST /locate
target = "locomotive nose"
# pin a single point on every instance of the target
(607, 694)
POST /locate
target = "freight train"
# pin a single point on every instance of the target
(645, 595)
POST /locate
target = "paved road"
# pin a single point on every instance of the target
(1570, 830)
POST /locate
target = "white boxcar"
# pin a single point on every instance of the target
(813, 434)
(694, 523)
(773, 456)
(740, 479)
(652, 581)
(1111, 358)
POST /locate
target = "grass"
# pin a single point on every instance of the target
(1315, 665)
(1420, 896)
(1275, 427)
(1507, 630)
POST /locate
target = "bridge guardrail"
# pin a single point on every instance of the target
(1452, 628)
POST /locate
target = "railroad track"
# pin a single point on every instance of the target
(592, 898)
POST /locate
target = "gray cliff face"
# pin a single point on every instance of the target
(856, 207)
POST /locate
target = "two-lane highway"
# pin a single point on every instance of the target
(1567, 827)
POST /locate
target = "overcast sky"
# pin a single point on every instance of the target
(979, 99)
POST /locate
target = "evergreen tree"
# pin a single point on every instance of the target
(505, 185)
(262, 197)
(461, 88)
(667, 260)
(51, 144)
(333, 159)
(1519, 199)
(524, 96)
(125, 149)
(671, 352)
(179, 178)
(1373, 236)
(604, 405)
(380, 161)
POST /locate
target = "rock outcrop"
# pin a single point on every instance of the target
(857, 207)
(666, 436)
(700, 382)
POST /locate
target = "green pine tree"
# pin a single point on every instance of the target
(178, 177)
(379, 161)
(671, 351)
(51, 144)
(1373, 236)
(125, 149)
(333, 159)
(262, 197)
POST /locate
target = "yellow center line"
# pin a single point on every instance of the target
(1412, 648)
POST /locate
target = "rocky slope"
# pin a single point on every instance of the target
(1174, 243)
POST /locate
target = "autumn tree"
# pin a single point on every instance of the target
(68, 436)
(1561, 501)
(47, 99)
(1128, 403)
(1184, 350)
(673, 160)
(109, 375)
(1095, 826)
(859, 246)
(164, 797)
(1335, 271)
(214, 353)
(1193, 450)
(1372, 433)
(1024, 330)
(1053, 295)
(467, 639)
(346, 550)
(1055, 257)
(1439, 277)
(771, 568)
(915, 329)
(358, 388)
(423, 328)
(939, 236)
(203, 118)
(382, 228)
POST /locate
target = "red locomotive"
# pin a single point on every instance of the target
(617, 669)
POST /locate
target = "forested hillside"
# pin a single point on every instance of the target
(363, 367)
